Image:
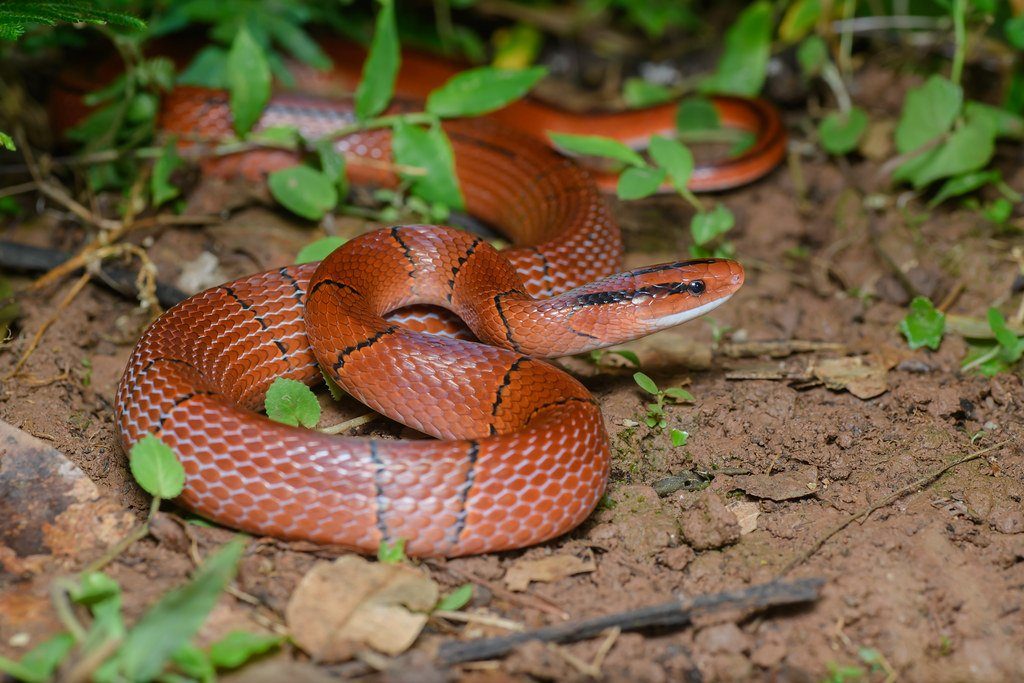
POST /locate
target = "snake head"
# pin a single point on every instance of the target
(673, 293)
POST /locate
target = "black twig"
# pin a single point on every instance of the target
(674, 614)
(25, 258)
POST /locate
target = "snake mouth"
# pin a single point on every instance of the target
(673, 319)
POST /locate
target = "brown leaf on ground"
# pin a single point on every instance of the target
(746, 515)
(782, 486)
(863, 377)
(547, 569)
(352, 603)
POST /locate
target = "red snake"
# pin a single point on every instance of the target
(524, 455)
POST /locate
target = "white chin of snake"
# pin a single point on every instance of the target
(685, 316)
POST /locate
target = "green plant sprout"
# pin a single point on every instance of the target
(656, 411)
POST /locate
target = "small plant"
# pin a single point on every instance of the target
(992, 358)
(292, 403)
(456, 600)
(924, 325)
(600, 357)
(391, 552)
(656, 410)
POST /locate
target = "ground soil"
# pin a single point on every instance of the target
(927, 587)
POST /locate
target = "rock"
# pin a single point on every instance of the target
(724, 638)
(706, 523)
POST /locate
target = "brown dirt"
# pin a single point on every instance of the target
(933, 582)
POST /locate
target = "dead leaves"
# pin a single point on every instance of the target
(547, 569)
(783, 486)
(344, 606)
(863, 376)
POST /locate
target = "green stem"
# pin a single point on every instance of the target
(383, 122)
(846, 38)
(137, 534)
(960, 37)
(983, 358)
(59, 592)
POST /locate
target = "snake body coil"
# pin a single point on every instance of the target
(524, 455)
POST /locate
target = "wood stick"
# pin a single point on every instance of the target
(674, 614)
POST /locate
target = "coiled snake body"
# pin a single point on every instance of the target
(524, 455)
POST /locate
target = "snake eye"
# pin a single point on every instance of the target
(697, 287)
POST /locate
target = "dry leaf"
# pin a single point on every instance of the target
(547, 569)
(746, 514)
(782, 486)
(351, 603)
(864, 378)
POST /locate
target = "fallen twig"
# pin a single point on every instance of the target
(676, 613)
(26, 258)
(888, 500)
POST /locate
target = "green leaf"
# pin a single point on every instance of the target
(596, 146)
(640, 93)
(923, 325)
(7, 142)
(457, 599)
(840, 134)
(635, 183)
(142, 108)
(41, 662)
(377, 84)
(628, 355)
(177, 616)
(645, 383)
(993, 363)
(799, 19)
(304, 191)
(337, 393)
(1008, 124)
(248, 77)
(428, 149)
(332, 163)
(928, 112)
(481, 90)
(156, 467)
(15, 15)
(208, 69)
(998, 210)
(962, 184)
(283, 137)
(744, 64)
(160, 182)
(292, 403)
(194, 663)
(708, 225)
(94, 587)
(238, 647)
(679, 437)
(969, 148)
(1012, 346)
(697, 114)
(674, 157)
(298, 43)
(1014, 30)
(391, 552)
(679, 394)
(812, 55)
(319, 250)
